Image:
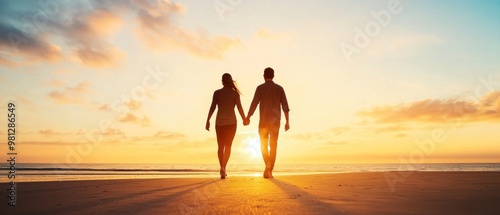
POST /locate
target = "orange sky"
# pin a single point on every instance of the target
(371, 82)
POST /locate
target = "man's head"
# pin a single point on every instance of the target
(269, 73)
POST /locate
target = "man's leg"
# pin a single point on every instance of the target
(264, 142)
(273, 145)
(264, 146)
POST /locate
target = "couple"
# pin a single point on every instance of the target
(271, 98)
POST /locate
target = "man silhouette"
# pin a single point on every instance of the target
(272, 99)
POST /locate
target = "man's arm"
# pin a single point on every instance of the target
(255, 102)
(287, 124)
(286, 109)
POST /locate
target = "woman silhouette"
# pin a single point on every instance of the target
(225, 123)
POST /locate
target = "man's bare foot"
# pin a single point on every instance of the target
(266, 173)
(269, 169)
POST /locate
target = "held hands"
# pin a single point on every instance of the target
(246, 121)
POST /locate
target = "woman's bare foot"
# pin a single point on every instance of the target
(223, 174)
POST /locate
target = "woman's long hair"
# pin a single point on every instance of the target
(227, 81)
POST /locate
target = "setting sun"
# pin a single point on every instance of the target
(251, 145)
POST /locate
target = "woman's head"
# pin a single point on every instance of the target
(227, 81)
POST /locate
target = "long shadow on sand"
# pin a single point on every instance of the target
(134, 206)
(194, 206)
(310, 203)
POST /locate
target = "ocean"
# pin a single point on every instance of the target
(34, 172)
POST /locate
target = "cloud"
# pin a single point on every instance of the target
(55, 83)
(159, 32)
(6, 62)
(132, 118)
(85, 28)
(336, 143)
(128, 117)
(71, 95)
(47, 143)
(162, 137)
(487, 108)
(391, 128)
(85, 31)
(340, 130)
(266, 34)
(106, 132)
(133, 104)
(50, 132)
(400, 135)
(490, 103)
(104, 107)
(24, 101)
(87, 34)
(13, 44)
(103, 57)
(65, 71)
(113, 131)
(89, 26)
(168, 135)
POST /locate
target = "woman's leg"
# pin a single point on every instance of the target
(230, 133)
(219, 130)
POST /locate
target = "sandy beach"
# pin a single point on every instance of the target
(345, 193)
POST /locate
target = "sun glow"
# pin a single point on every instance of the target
(251, 145)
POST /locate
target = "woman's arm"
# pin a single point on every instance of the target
(210, 112)
(240, 109)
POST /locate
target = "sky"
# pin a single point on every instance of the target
(367, 81)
